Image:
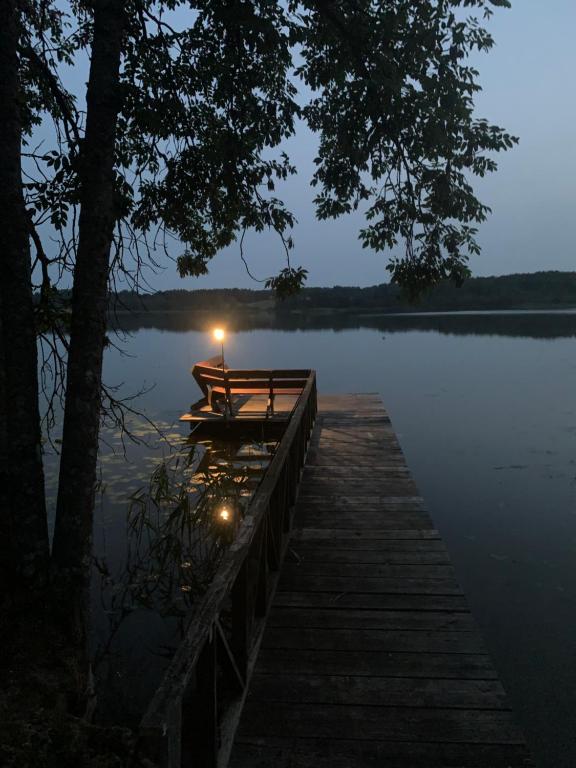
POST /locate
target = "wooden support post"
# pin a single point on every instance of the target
(287, 496)
(228, 661)
(206, 725)
(240, 620)
(271, 395)
(261, 603)
(228, 394)
(276, 524)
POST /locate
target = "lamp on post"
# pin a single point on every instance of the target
(219, 336)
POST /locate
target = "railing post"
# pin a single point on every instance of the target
(240, 624)
(208, 736)
(160, 742)
(261, 603)
(276, 523)
(288, 497)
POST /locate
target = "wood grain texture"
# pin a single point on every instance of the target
(371, 656)
(378, 691)
(287, 752)
(324, 618)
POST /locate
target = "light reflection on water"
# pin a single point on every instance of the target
(167, 510)
(485, 409)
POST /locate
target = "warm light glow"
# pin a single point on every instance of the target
(224, 514)
(219, 334)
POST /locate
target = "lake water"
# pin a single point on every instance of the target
(485, 409)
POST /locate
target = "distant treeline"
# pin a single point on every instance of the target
(525, 291)
(203, 299)
(547, 324)
(539, 290)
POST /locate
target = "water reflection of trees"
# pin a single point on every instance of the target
(545, 325)
(178, 528)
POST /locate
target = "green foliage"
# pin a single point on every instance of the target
(288, 282)
(192, 265)
(52, 310)
(200, 107)
(210, 91)
(393, 106)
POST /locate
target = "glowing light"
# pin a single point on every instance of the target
(225, 514)
(219, 334)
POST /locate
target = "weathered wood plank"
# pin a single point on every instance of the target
(380, 489)
(347, 550)
(365, 601)
(363, 536)
(359, 503)
(377, 486)
(459, 666)
(353, 443)
(381, 585)
(378, 691)
(290, 752)
(370, 519)
(369, 439)
(356, 639)
(401, 724)
(354, 571)
(320, 555)
(344, 431)
(358, 449)
(359, 473)
(348, 618)
(335, 458)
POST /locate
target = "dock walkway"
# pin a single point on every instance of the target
(370, 656)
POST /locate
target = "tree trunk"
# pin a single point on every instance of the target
(23, 526)
(72, 546)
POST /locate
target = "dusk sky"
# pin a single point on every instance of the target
(528, 88)
(528, 82)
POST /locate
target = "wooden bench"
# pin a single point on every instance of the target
(221, 384)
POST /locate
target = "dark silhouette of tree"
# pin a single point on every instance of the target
(24, 532)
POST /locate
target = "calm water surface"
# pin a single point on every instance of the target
(485, 409)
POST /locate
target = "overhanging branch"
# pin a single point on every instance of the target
(70, 118)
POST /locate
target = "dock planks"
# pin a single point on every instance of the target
(370, 656)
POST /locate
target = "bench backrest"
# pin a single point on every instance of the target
(243, 380)
(199, 370)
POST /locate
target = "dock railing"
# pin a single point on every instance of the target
(193, 715)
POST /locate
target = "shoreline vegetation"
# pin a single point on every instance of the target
(550, 290)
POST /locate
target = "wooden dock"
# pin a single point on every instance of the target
(370, 655)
